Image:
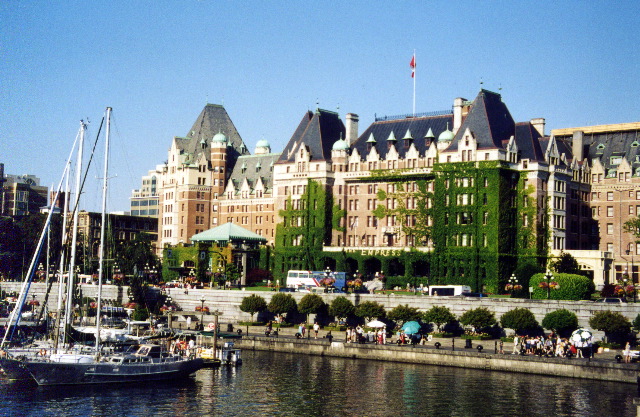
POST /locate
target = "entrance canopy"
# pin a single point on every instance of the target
(227, 233)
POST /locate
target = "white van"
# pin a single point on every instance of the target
(449, 290)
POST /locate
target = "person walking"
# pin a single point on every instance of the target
(316, 328)
(516, 345)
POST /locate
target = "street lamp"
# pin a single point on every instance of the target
(202, 300)
(513, 284)
(169, 300)
(549, 284)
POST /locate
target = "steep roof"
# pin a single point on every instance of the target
(528, 141)
(419, 127)
(213, 119)
(318, 131)
(489, 120)
(253, 167)
(225, 233)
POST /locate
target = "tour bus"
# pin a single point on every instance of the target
(313, 279)
(449, 290)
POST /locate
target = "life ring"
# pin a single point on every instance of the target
(211, 326)
(43, 352)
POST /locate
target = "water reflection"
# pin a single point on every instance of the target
(273, 384)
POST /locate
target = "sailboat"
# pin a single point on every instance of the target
(148, 363)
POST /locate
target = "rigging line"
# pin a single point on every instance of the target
(125, 156)
(86, 172)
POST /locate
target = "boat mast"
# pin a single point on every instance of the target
(63, 243)
(24, 290)
(74, 235)
(102, 230)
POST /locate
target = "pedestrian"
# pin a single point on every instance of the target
(501, 347)
(516, 345)
(627, 353)
(316, 328)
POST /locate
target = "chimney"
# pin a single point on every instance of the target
(458, 104)
(539, 125)
(577, 145)
(352, 128)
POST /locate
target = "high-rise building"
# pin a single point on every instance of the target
(21, 195)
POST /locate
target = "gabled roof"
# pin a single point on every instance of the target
(318, 131)
(419, 127)
(489, 120)
(227, 232)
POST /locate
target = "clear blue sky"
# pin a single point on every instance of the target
(158, 62)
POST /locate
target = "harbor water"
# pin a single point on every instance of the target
(279, 384)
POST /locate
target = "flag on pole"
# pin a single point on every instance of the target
(412, 64)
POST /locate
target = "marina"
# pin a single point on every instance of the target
(284, 384)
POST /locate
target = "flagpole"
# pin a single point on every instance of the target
(414, 83)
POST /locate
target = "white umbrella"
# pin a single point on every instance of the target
(376, 323)
(581, 335)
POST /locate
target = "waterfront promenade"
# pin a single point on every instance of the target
(452, 352)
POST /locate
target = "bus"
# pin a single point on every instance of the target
(449, 290)
(313, 279)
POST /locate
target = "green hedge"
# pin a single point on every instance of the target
(402, 281)
(572, 287)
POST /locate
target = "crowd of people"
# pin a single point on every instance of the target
(552, 346)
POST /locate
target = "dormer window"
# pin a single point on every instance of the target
(635, 144)
(600, 148)
(615, 160)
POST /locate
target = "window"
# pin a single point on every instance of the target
(609, 195)
(609, 228)
(609, 211)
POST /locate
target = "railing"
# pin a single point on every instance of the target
(411, 115)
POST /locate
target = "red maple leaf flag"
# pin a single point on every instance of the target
(412, 64)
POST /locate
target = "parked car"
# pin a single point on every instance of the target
(287, 289)
(613, 300)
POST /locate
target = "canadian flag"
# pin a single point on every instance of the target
(412, 64)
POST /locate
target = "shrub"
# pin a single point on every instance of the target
(403, 313)
(570, 287)
(478, 318)
(370, 310)
(281, 304)
(561, 321)
(520, 320)
(439, 315)
(615, 326)
(636, 323)
(310, 304)
(253, 304)
(341, 308)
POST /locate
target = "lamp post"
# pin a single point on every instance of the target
(169, 300)
(202, 300)
(549, 284)
(512, 284)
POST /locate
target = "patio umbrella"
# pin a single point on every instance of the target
(411, 327)
(376, 324)
(581, 335)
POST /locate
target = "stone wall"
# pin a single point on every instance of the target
(228, 302)
(603, 371)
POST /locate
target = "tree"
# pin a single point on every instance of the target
(281, 304)
(370, 310)
(478, 318)
(341, 308)
(310, 304)
(633, 226)
(561, 321)
(439, 315)
(403, 313)
(566, 264)
(615, 326)
(253, 304)
(636, 323)
(521, 320)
